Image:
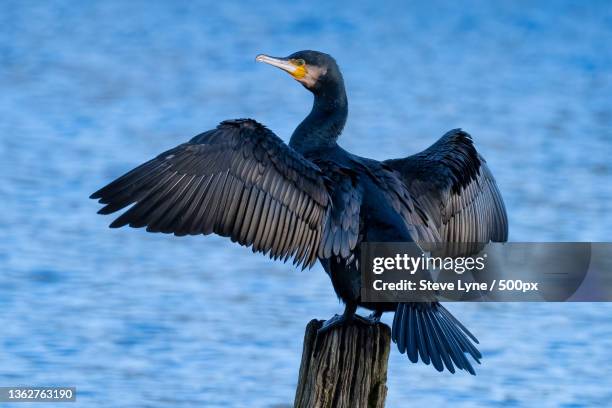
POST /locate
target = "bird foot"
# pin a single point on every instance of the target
(336, 321)
(348, 317)
(374, 317)
(339, 320)
(371, 320)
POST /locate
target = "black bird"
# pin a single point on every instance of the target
(313, 200)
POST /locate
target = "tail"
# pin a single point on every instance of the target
(429, 330)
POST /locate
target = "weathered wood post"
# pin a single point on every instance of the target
(345, 367)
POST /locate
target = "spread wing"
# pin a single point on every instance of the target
(453, 184)
(239, 181)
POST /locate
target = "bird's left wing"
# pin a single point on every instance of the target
(453, 184)
(239, 180)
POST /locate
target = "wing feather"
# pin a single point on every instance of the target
(454, 185)
(238, 180)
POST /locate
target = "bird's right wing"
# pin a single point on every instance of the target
(453, 184)
(239, 180)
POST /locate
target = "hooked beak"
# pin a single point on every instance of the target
(283, 63)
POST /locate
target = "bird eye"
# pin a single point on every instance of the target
(299, 62)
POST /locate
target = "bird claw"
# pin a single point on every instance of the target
(335, 321)
(371, 320)
(374, 317)
(339, 320)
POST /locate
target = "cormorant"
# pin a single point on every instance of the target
(312, 200)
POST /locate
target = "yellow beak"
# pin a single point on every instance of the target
(283, 63)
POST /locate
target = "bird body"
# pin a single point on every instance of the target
(312, 200)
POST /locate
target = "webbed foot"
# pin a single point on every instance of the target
(339, 320)
(374, 317)
(335, 321)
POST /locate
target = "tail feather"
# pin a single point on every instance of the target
(466, 345)
(429, 331)
(457, 351)
(420, 329)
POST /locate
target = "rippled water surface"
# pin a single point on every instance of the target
(90, 89)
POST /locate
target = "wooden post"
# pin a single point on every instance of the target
(345, 367)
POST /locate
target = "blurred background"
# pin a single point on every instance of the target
(89, 90)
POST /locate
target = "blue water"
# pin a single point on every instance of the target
(90, 89)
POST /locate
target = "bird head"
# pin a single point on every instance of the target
(313, 69)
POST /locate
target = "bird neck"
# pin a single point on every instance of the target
(325, 121)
